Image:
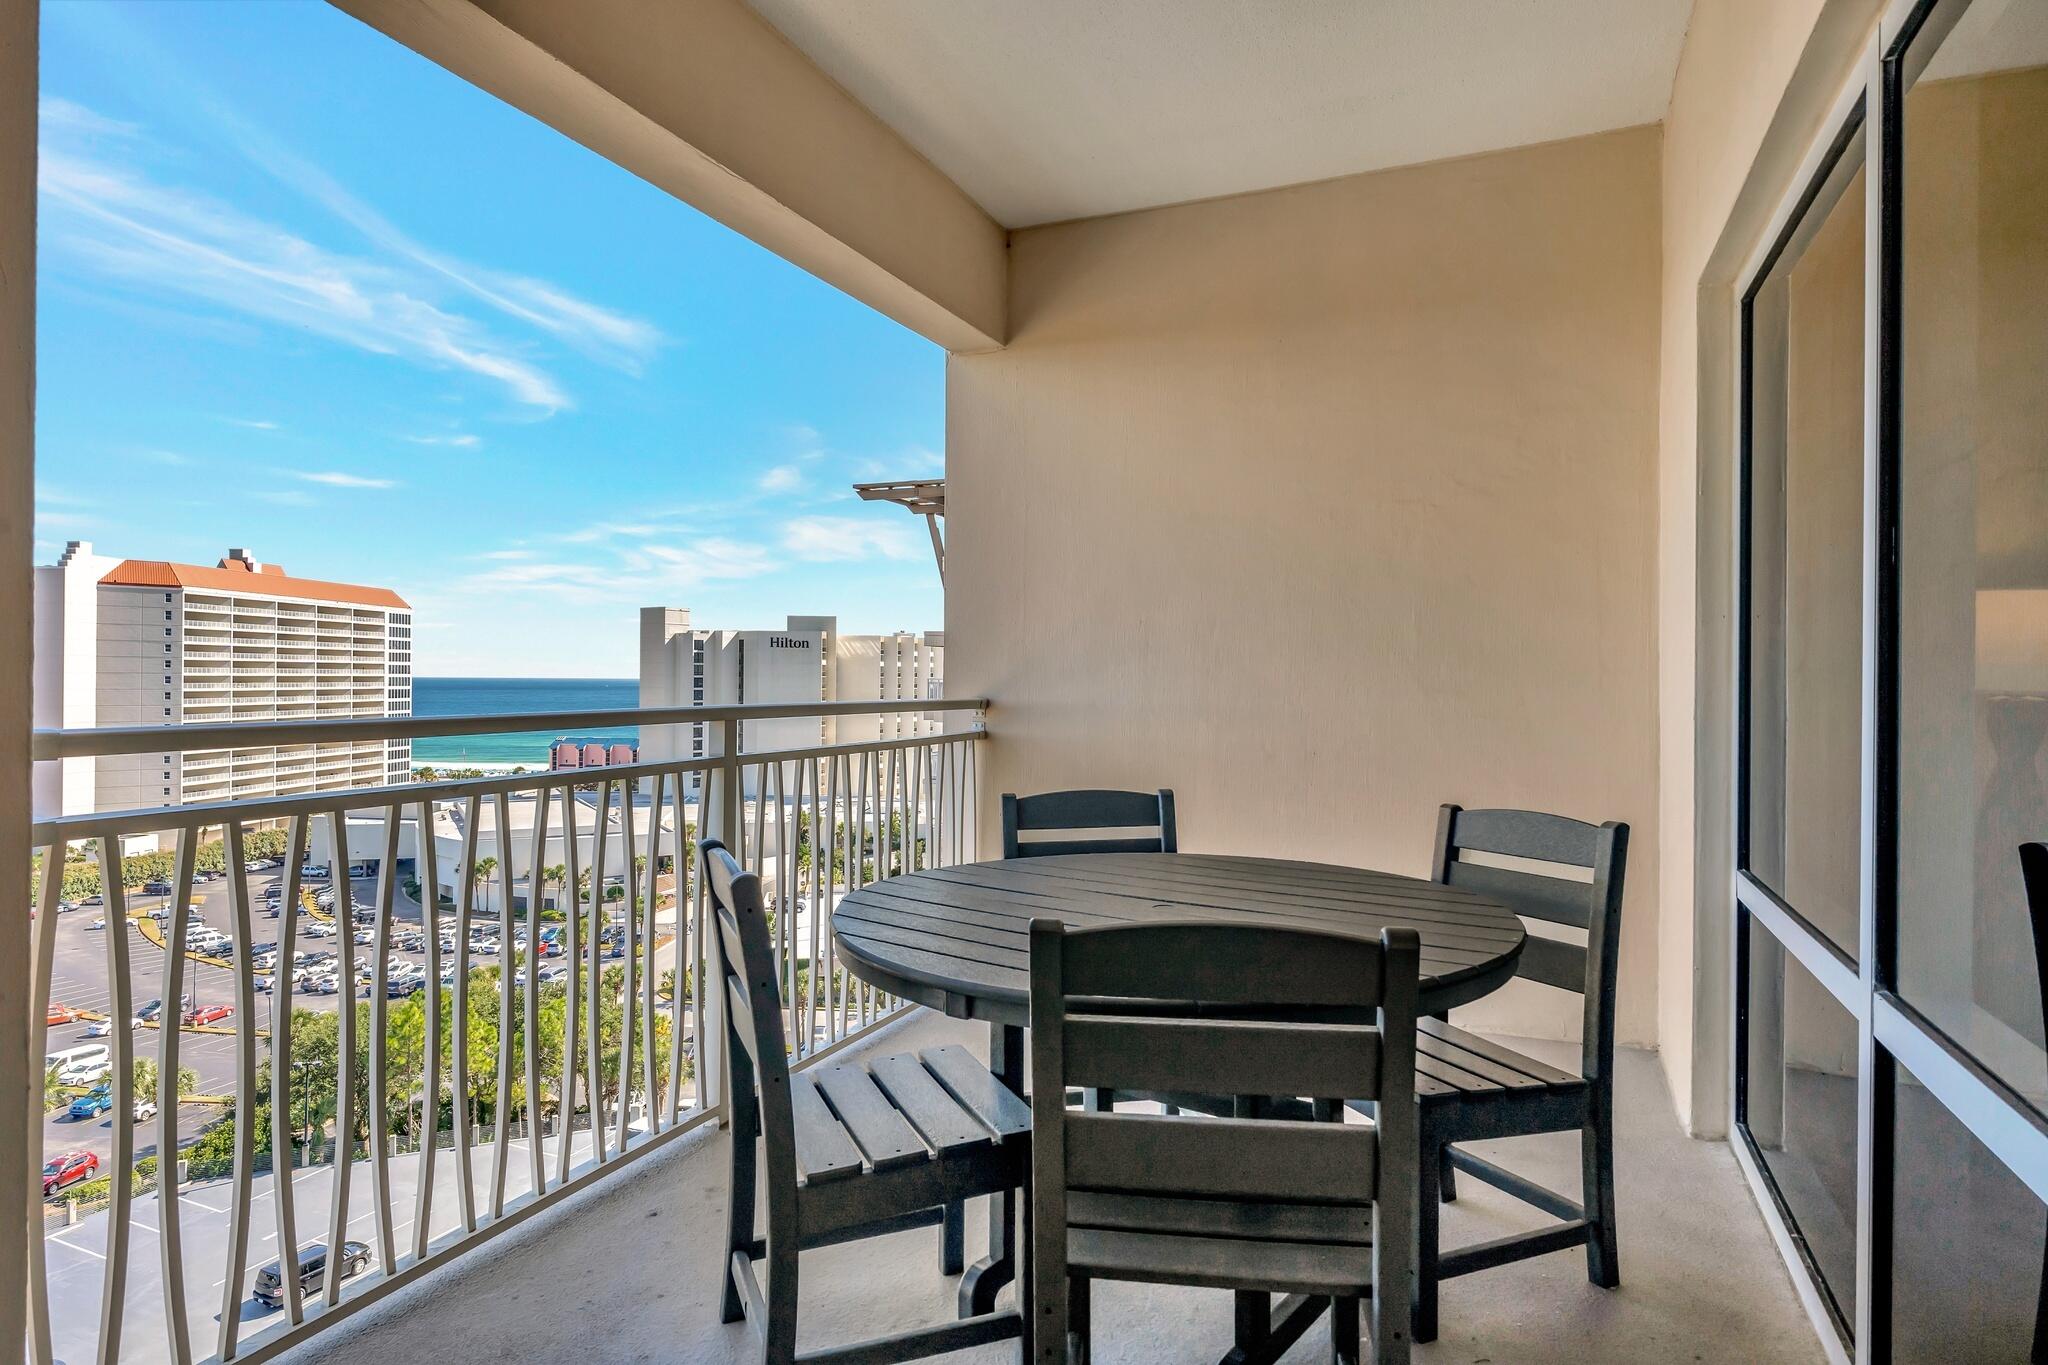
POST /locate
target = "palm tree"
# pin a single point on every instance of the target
(554, 875)
(482, 873)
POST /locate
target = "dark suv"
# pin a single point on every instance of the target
(312, 1270)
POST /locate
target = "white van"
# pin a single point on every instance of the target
(82, 1064)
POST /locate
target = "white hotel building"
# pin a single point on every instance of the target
(147, 642)
(809, 660)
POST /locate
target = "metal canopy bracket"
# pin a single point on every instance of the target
(923, 497)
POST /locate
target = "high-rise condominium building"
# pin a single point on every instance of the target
(146, 642)
(809, 660)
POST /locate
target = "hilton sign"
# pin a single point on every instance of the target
(784, 642)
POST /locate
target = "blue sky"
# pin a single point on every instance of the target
(301, 290)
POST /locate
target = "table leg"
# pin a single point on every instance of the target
(986, 1277)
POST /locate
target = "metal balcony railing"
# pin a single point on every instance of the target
(425, 1101)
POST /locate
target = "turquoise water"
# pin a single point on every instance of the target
(472, 696)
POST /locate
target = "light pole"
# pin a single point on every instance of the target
(305, 1115)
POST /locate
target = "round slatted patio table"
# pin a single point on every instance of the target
(956, 939)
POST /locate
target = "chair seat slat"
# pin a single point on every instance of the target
(823, 1150)
(1240, 1057)
(1434, 1038)
(943, 1123)
(977, 1089)
(885, 1140)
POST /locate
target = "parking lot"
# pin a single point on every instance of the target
(81, 976)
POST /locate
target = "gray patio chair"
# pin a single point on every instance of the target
(1469, 1088)
(1077, 812)
(1248, 1204)
(851, 1150)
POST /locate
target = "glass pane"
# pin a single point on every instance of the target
(1966, 1246)
(1799, 1106)
(1805, 770)
(1973, 591)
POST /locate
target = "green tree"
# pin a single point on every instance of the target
(145, 1080)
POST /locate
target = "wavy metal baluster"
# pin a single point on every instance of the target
(629, 933)
(114, 1281)
(650, 1059)
(380, 1045)
(345, 1053)
(245, 1091)
(595, 948)
(572, 835)
(430, 1063)
(501, 806)
(698, 954)
(170, 1223)
(679, 946)
(537, 1156)
(282, 1072)
(458, 1020)
(41, 1349)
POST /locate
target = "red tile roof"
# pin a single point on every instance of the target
(236, 576)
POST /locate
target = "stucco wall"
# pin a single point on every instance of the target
(1328, 504)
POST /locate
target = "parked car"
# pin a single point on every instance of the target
(265, 982)
(68, 1169)
(318, 929)
(85, 1072)
(412, 943)
(553, 972)
(313, 872)
(366, 934)
(99, 923)
(398, 987)
(323, 983)
(104, 1028)
(487, 945)
(208, 1014)
(145, 1110)
(60, 1014)
(149, 1011)
(269, 1287)
(263, 961)
(156, 886)
(93, 1103)
(158, 912)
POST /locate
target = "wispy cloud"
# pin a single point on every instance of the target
(400, 299)
(783, 478)
(824, 539)
(252, 424)
(169, 457)
(466, 441)
(506, 554)
(335, 478)
(56, 112)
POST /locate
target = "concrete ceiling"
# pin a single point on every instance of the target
(1045, 110)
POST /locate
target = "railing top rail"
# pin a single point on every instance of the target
(206, 814)
(47, 745)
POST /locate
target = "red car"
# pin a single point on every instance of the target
(60, 1014)
(207, 1014)
(68, 1169)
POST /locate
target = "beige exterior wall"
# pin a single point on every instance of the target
(1338, 502)
(1753, 81)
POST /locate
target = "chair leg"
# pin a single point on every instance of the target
(953, 1238)
(1344, 1331)
(1079, 1328)
(1447, 1177)
(778, 1342)
(1423, 1316)
(739, 1203)
(1596, 1152)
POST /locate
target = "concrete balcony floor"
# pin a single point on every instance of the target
(629, 1271)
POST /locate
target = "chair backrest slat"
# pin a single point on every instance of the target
(1075, 811)
(1323, 1163)
(1555, 899)
(1237, 1056)
(1552, 963)
(1593, 905)
(1218, 964)
(756, 1055)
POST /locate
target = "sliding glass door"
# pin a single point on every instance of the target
(1891, 1098)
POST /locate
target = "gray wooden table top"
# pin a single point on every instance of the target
(955, 938)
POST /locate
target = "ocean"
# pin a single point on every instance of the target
(471, 696)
